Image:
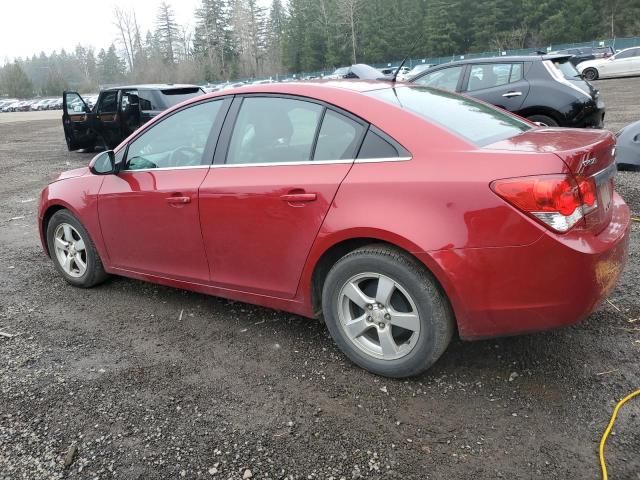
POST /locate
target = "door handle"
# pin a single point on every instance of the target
(299, 197)
(178, 200)
(512, 94)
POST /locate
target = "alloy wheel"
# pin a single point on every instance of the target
(70, 250)
(378, 316)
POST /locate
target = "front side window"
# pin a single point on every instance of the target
(272, 130)
(75, 104)
(446, 79)
(177, 141)
(108, 102)
(476, 122)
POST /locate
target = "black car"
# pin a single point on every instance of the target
(546, 89)
(117, 113)
(583, 54)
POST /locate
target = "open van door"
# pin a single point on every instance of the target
(76, 121)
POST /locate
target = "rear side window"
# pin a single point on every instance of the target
(109, 102)
(174, 96)
(339, 137)
(476, 122)
(374, 146)
(274, 130)
(493, 75)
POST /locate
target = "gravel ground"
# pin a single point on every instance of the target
(132, 380)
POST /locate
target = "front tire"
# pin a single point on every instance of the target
(386, 312)
(591, 74)
(73, 253)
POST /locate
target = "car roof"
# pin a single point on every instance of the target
(508, 58)
(153, 86)
(308, 87)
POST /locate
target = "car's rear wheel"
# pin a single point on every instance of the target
(543, 120)
(590, 74)
(73, 252)
(386, 312)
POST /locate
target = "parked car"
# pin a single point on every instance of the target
(399, 213)
(11, 106)
(56, 104)
(583, 54)
(628, 147)
(118, 112)
(625, 63)
(5, 104)
(359, 70)
(545, 89)
(41, 104)
(389, 71)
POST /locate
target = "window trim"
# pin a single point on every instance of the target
(222, 148)
(210, 145)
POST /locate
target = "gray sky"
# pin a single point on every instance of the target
(32, 26)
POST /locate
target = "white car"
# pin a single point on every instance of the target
(625, 63)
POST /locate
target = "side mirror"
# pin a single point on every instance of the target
(104, 163)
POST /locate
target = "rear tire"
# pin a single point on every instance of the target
(543, 120)
(590, 74)
(73, 253)
(400, 322)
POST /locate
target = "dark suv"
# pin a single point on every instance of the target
(117, 113)
(546, 89)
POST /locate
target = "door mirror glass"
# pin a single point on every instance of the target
(104, 163)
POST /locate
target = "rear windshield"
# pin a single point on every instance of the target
(173, 96)
(476, 122)
(567, 69)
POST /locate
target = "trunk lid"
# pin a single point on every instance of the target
(587, 154)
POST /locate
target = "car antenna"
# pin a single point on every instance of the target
(404, 60)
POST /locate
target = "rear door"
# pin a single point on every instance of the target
(502, 84)
(77, 120)
(274, 178)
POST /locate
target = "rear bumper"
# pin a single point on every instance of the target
(555, 282)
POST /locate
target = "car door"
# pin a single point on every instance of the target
(271, 185)
(149, 211)
(635, 62)
(501, 84)
(449, 78)
(107, 123)
(77, 121)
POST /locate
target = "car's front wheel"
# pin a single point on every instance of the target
(543, 120)
(590, 74)
(386, 312)
(73, 252)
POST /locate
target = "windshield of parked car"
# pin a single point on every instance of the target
(476, 122)
(566, 68)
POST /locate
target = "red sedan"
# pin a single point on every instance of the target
(399, 215)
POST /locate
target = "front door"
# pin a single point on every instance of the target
(262, 207)
(149, 211)
(77, 121)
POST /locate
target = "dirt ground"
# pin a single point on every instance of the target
(135, 381)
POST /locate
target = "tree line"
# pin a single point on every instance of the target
(243, 39)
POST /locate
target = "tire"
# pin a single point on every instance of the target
(415, 300)
(80, 251)
(543, 120)
(590, 74)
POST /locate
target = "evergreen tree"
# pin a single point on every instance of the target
(15, 82)
(167, 31)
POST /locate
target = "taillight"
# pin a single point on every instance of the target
(558, 201)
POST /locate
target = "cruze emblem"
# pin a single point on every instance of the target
(587, 162)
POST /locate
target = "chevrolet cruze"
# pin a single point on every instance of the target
(398, 214)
